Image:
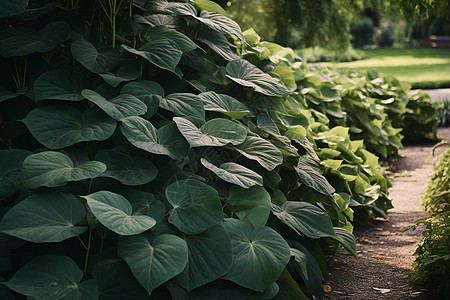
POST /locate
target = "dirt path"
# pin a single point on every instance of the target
(384, 250)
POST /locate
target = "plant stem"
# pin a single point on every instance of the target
(82, 243)
(87, 251)
(113, 22)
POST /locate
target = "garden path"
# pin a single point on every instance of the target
(384, 250)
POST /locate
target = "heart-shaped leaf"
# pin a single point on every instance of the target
(114, 211)
(57, 126)
(305, 218)
(220, 23)
(10, 164)
(154, 262)
(53, 169)
(21, 41)
(244, 73)
(162, 53)
(128, 170)
(177, 8)
(157, 33)
(60, 84)
(261, 150)
(309, 172)
(119, 107)
(260, 255)
(224, 104)
(218, 43)
(45, 218)
(196, 206)
(210, 257)
(251, 205)
(234, 173)
(167, 140)
(92, 59)
(185, 105)
(12, 8)
(47, 277)
(148, 92)
(215, 132)
(126, 71)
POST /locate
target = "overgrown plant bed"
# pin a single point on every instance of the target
(150, 149)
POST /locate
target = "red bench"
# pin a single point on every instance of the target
(440, 41)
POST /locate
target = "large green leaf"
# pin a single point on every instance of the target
(218, 43)
(248, 75)
(45, 218)
(125, 71)
(128, 170)
(148, 92)
(167, 140)
(47, 277)
(21, 41)
(220, 23)
(86, 290)
(119, 107)
(234, 173)
(196, 206)
(261, 150)
(177, 8)
(144, 203)
(10, 164)
(53, 169)
(162, 53)
(251, 205)
(12, 7)
(210, 257)
(224, 104)
(209, 6)
(260, 255)
(215, 132)
(305, 218)
(114, 211)
(309, 172)
(60, 84)
(154, 262)
(92, 59)
(156, 33)
(310, 269)
(185, 105)
(57, 126)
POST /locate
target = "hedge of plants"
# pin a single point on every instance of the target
(152, 150)
(432, 263)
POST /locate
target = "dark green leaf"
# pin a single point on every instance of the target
(220, 23)
(123, 72)
(10, 164)
(309, 172)
(158, 33)
(196, 206)
(148, 92)
(234, 173)
(12, 7)
(60, 84)
(224, 104)
(218, 43)
(92, 59)
(261, 150)
(45, 218)
(153, 263)
(185, 105)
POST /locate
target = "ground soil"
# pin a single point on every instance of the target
(385, 251)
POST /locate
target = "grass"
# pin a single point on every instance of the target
(422, 67)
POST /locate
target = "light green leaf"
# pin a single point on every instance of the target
(45, 218)
(162, 53)
(53, 169)
(196, 206)
(261, 150)
(210, 257)
(215, 132)
(244, 73)
(92, 59)
(251, 205)
(154, 262)
(128, 170)
(185, 105)
(286, 74)
(209, 6)
(57, 126)
(305, 218)
(60, 84)
(167, 140)
(114, 211)
(47, 277)
(224, 104)
(10, 165)
(21, 41)
(148, 92)
(234, 173)
(119, 107)
(157, 33)
(260, 255)
(12, 7)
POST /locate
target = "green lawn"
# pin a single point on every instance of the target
(422, 67)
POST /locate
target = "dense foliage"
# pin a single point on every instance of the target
(432, 264)
(170, 155)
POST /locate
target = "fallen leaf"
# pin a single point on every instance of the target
(378, 256)
(383, 291)
(337, 268)
(364, 240)
(326, 288)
